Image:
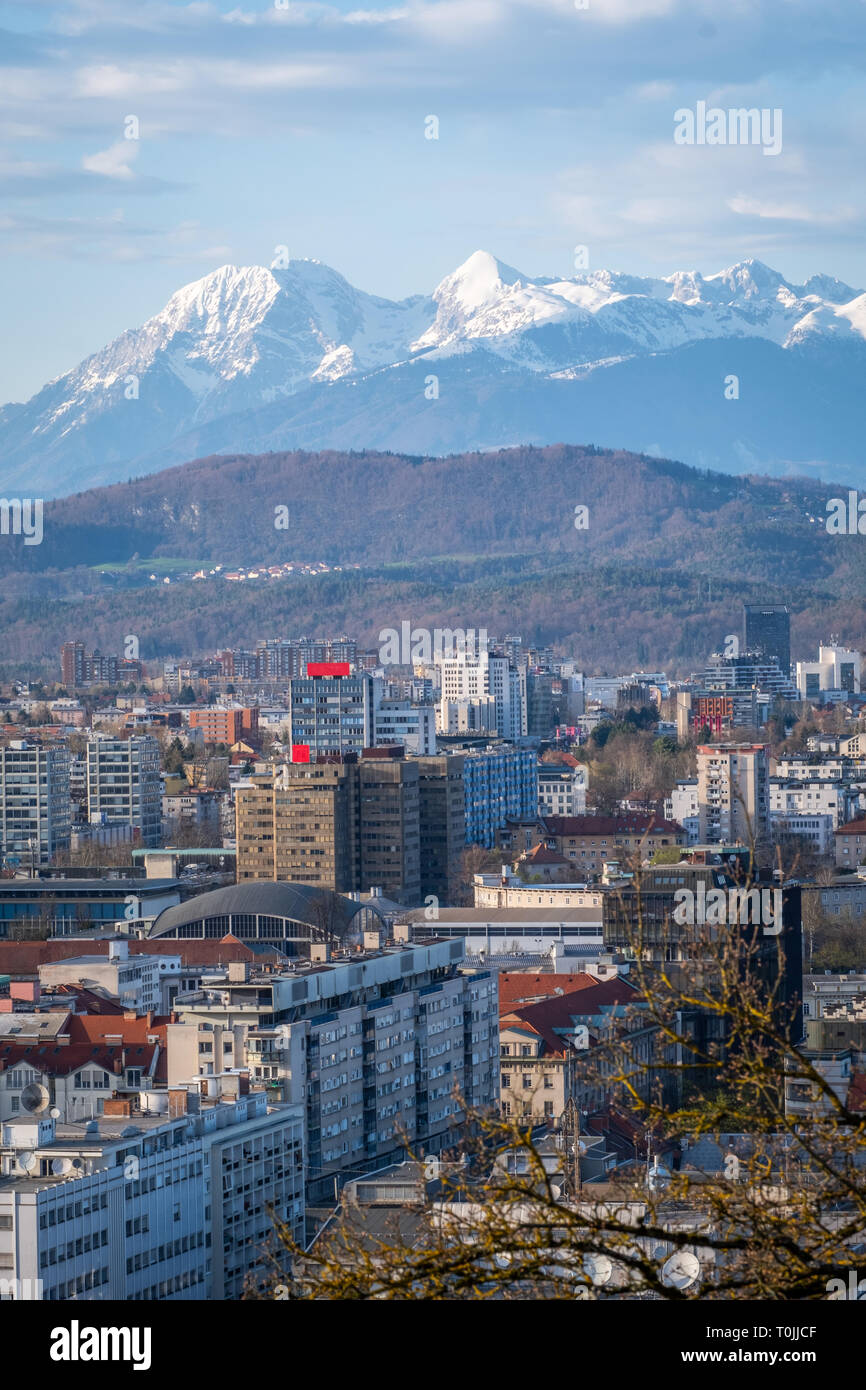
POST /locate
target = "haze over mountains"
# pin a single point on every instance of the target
(253, 360)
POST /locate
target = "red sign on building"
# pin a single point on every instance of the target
(328, 668)
(300, 752)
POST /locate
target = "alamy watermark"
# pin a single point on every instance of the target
(738, 126)
(424, 646)
(720, 907)
(22, 516)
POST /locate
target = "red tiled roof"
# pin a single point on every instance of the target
(541, 855)
(23, 958)
(61, 1060)
(522, 987)
(854, 827)
(559, 1011)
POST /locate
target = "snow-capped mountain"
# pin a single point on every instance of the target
(253, 357)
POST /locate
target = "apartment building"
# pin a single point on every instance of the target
(374, 1045)
(135, 981)
(167, 1198)
(226, 725)
(561, 790)
(733, 793)
(590, 841)
(471, 678)
(404, 722)
(35, 804)
(123, 784)
(576, 1046)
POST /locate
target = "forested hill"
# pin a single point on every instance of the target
(654, 571)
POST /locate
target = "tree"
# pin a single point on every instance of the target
(777, 1214)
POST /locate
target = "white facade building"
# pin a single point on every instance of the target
(168, 1200)
(837, 669)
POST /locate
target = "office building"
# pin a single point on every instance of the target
(472, 679)
(837, 669)
(767, 629)
(442, 823)
(123, 785)
(332, 711)
(35, 804)
(500, 782)
(409, 724)
(225, 725)
(344, 824)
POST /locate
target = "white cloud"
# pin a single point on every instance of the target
(114, 162)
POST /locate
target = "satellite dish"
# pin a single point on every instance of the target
(681, 1270)
(598, 1267)
(54, 1112)
(35, 1098)
(27, 1161)
(61, 1166)
(659, 1252)
(503, 1260)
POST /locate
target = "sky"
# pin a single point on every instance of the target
(264, 125)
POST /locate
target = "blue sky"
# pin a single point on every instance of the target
(304, 126)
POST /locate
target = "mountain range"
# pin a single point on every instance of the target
(742, 372)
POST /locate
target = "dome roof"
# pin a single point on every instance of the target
(320, 908)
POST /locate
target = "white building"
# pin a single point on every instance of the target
(682, 806)
(815, 830)
(401, 721)
(472, 678)
(837, 669)
(561, 790)
(166, 1199)
(733, 793)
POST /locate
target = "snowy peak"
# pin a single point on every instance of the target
(244, 339)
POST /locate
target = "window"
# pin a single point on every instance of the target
(506, 1080)
(527, 1081)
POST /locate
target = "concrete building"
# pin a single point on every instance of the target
(333, 711)
(135, 981)
(68, 905)
(35, 805)
(733, 793)
(123, 784)
(344, 824)
(373, 1044)
(837, 669)
(406, 723)
(500, 781)
(477, 677)
(767, 629)
(442, 823)
(167, 1198)
(561, 790)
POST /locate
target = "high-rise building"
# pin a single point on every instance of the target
(474, 678)
(500, 783)
(767, 629)
(342, 823)
(35, 804)
(442, 823)
(733, 793)
(333, 711)
(123, 785)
